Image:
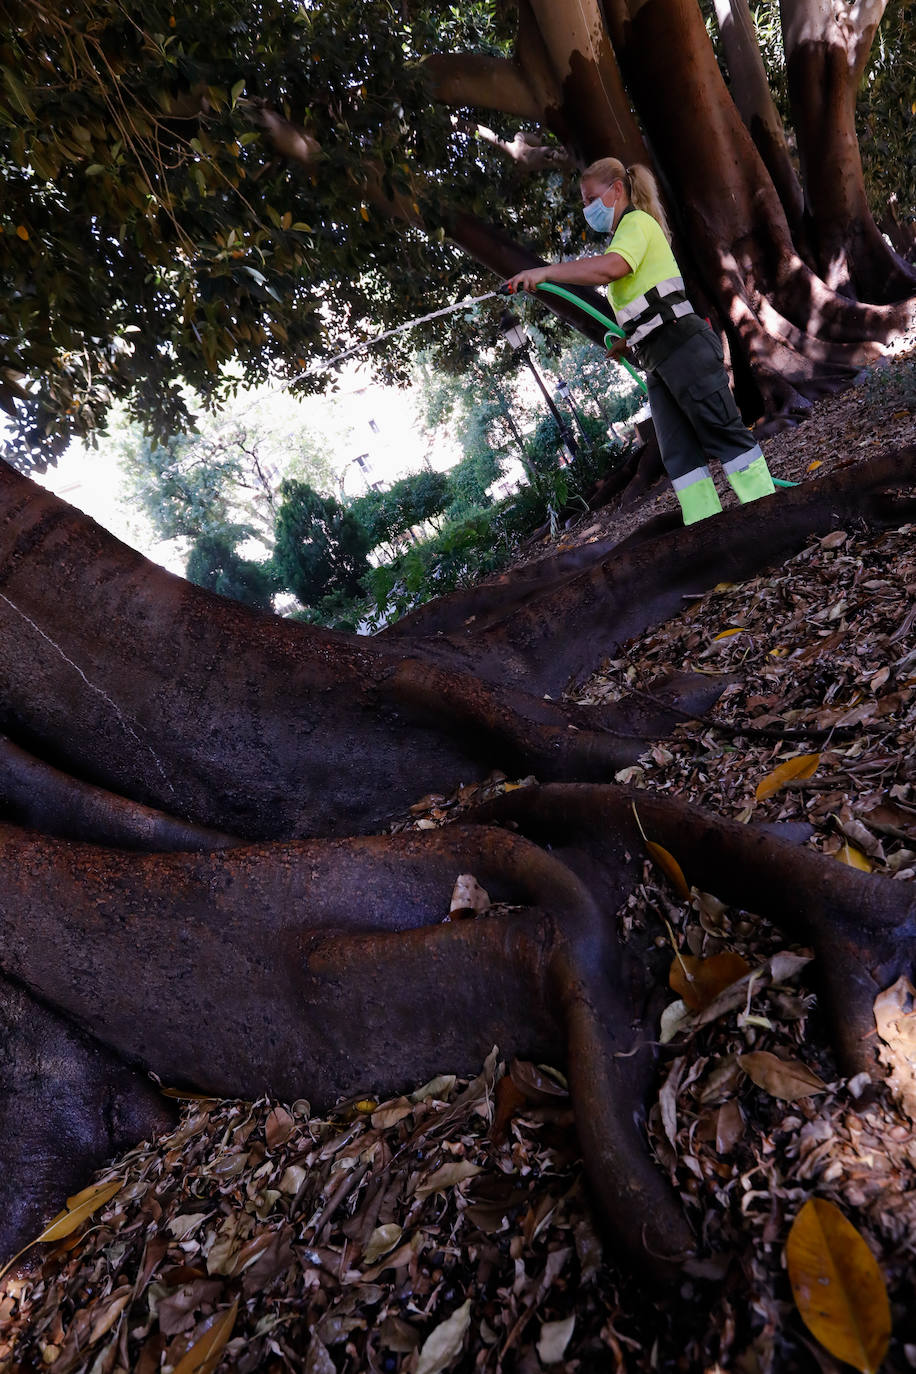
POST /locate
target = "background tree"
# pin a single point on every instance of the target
(378, 517)
(470, 481)
(184, 492)
(320, 546)
(215, 488)
(215, 563)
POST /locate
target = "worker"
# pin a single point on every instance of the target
(692, 406)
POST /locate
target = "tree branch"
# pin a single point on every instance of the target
(296, 144)
(528, 151)
(491, 83)
(290, 140)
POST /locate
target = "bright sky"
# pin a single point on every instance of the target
(385, 427)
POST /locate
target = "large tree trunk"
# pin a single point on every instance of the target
(750, 91)
(145, 685)
(142, 684)
(827, 47)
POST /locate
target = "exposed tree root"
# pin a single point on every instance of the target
(325, 967)
(860, 925)
(35, 795)
(66, 1105)
(604, 605)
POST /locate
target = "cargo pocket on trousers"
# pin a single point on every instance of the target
(712, 400)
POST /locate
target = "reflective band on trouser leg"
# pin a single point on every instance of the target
(741, 460)
(698, 499)
(751, 481)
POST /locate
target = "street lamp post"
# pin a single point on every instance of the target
(519, 341)
(566, 396)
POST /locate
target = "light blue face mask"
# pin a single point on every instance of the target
(599, 216)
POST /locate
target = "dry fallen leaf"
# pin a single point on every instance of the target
(468, 895)
(666, 862)
(509, 1099)
(670, 867)
(382, 1240)
(729, 1127)
(710, 911)
(674, 1019)
(438, 1087)
(536, 1083)
(787, 1079)
(851, 855)
(895, 1018)
(398, 1335)
(699, 981)
(186, 1222)
(278, 1128)
(554, 1339)
(205, 1354)
(837, 1286)
(800, 767)
(833, 540)
(444, 1344)
(390, 1113)
(404, 1254)
(447, 1177)
(80, 1206)
(667, 1098)
(785, 964)
(109, 1314)
(318, 1360)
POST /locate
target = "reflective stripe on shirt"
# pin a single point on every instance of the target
(664, 288)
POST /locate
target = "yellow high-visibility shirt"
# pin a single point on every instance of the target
(640, 242)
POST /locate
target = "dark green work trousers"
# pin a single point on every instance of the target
(695, 414)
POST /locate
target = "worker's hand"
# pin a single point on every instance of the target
(618, 349)
(527, 280)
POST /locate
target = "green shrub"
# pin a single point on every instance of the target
(321, 548)
(214, 563)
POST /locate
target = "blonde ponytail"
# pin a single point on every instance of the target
(641, 186)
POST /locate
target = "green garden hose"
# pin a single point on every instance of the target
(613, 331)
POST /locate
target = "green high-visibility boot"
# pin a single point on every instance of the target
(752, 482)
(699, 500)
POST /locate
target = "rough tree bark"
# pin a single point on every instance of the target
(750, 90)
(322, 966)
(566, 67)
(827, 47)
